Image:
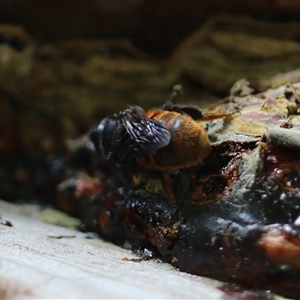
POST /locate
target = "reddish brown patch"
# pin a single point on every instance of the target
(214, 187)
(13, 290)
(280, 247)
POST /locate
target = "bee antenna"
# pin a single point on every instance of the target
(176, 90)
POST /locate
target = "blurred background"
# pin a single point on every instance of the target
(64, 65)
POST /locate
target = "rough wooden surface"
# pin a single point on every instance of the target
(39, 260)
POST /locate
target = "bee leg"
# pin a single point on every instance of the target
(219, 115)
(168, 188)
(177, 185)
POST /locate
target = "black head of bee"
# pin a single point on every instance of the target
(107, 136)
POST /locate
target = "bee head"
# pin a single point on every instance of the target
(105, 136)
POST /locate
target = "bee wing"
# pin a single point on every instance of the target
(192, 110)
(148, 135)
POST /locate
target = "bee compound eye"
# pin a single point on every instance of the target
(101, 126)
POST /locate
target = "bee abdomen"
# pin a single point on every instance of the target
(189, 143)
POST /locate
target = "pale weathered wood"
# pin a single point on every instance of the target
(35, 264)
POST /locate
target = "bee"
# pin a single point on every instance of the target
(169, 138)
(155, 142)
